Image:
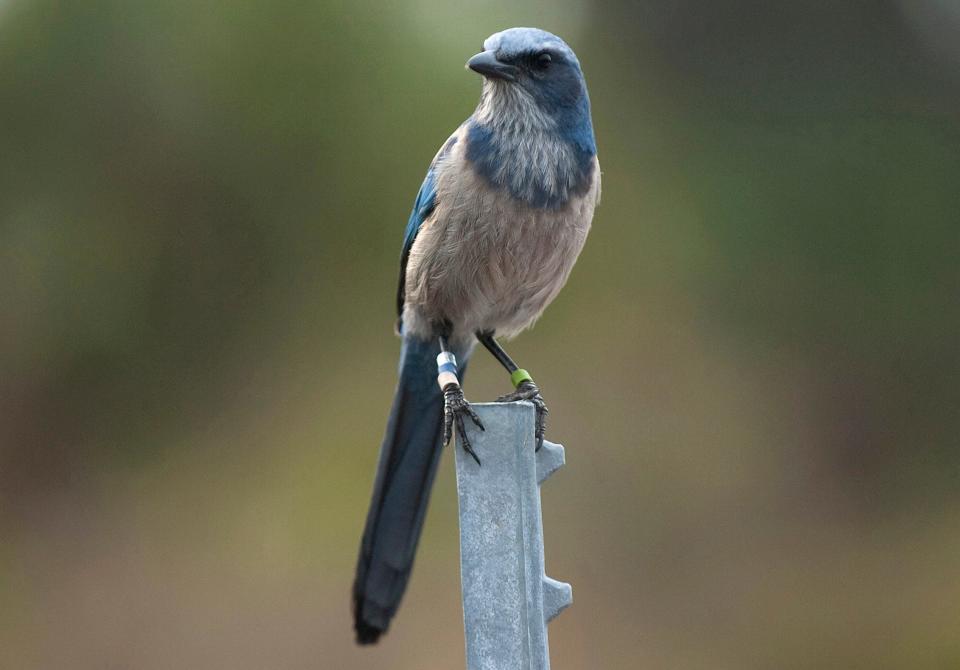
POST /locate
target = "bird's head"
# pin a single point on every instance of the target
(532, 130)
(523, 65)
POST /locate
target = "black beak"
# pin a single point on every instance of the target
(486, 63)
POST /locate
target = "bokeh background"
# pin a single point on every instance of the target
(755, 366)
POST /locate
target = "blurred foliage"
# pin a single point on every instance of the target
(201, 207)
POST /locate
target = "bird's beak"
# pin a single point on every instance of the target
(486, 63)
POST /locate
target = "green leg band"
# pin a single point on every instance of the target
(519, 376)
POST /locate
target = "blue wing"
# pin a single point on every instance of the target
(423, 207)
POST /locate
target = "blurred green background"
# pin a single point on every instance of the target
(754, 367)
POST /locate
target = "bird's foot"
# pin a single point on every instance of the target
(527, 390)
(455, 406)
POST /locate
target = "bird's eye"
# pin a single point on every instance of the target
(544, 60)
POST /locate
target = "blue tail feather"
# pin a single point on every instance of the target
(405, 472)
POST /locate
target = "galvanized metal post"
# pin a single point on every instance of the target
(507, 598)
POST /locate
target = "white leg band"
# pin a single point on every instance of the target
(447, 369)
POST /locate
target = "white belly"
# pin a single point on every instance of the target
(485, 261)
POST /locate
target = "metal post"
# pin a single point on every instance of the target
(507, 598)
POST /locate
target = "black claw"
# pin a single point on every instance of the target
(541, 428)
(530, 391)
(475, 418)
(464, 440)
(454, 407)
(447, 424)
(467, 447)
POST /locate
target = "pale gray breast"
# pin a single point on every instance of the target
(486, 261)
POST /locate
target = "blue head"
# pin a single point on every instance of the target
(534, 95)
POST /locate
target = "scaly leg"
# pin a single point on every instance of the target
(522, 381)
(454, 404)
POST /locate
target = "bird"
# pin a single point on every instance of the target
(496, 228)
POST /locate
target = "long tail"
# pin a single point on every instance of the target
(401, 491)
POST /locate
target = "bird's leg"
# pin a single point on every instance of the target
(522, 381)
(454, 404)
